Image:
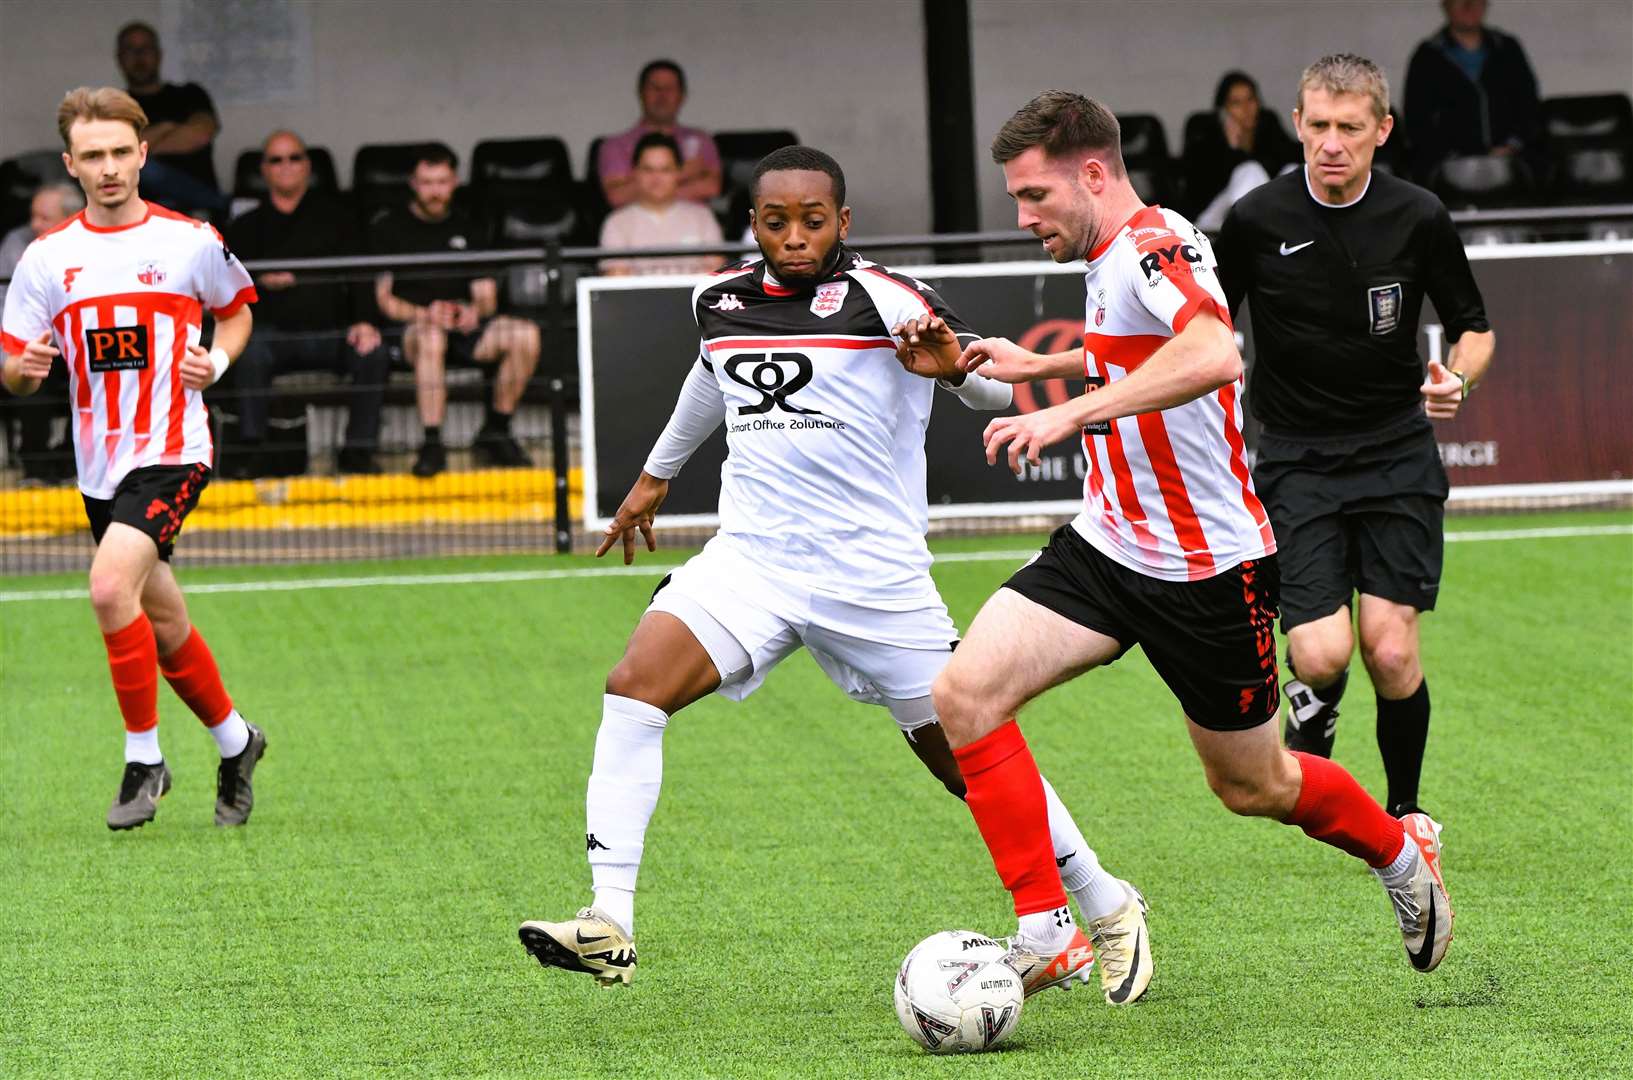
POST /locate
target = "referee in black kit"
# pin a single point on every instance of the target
(1336, 260)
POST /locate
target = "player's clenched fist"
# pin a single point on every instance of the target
(635, 513)
(197, 369)
(36, 357)
(1442, 392)
(998, 358)
(1027, 435)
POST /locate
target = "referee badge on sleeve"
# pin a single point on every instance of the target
(1384, 307)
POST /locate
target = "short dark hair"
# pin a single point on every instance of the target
(661, 65)
(1063, 123)
(651, 139)
(436, 154)
(802, 159)
(1229, 81)
(131, 28)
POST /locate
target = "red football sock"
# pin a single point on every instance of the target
(192, 673)
(1336, 810)
(1005, 793)
(133, 658)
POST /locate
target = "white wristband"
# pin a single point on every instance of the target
(219, 360)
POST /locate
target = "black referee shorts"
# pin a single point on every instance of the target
(155, 500)
(1355, 514)
(1212, 641)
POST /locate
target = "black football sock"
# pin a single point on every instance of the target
(1403, 731)
(433, 434)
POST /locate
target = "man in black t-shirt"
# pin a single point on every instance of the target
(301, 326)
(451, 317)
(181, 130)
(1336, 260)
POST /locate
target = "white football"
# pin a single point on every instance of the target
(954, 993)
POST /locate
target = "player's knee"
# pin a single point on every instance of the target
(1390, 661)
(1247, 796)
(526, 339)
(111, 593)
(629, 680)
(1319, 662)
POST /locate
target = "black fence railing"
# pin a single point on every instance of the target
(321, 439)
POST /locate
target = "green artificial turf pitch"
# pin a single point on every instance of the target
(423, 794)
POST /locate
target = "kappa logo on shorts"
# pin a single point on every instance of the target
(829, 298)
(1384, 307)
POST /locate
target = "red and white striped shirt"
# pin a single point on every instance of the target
(1168, 493)
(122, 305)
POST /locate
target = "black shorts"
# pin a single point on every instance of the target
(1355, 513)
(1213, 641)
(156, 500)
(462, 346)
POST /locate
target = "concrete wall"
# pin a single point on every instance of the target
(847, 75)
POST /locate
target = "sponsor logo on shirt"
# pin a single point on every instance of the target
(1167, 255)
(829, 298)
(117, 348)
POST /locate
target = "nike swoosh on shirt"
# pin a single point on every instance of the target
(1120, 995)
(1424, 957)
(1285, 250)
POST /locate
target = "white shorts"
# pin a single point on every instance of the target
(747, 621)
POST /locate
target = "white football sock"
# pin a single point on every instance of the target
(143, 746)
(1097, 893)
(622, 794)
(231, 735)
(1400, 871)
(1047, 932)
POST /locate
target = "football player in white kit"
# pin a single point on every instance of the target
(822, 365)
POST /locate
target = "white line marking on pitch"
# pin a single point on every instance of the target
(491, 577)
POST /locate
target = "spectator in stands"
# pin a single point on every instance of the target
(52, 205)
(452, 317)
(181, 130)
(658, 217)
(662, 91)
(323, 326)
(1233, 150)
(1469, 91)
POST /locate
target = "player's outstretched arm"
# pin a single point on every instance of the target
(1001, 359)
(22, 373)
(635, 514)
(1198, 360)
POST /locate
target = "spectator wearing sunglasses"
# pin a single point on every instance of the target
(304, 325)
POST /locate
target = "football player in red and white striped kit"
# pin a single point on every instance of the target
(118, 292)
(1172, 550)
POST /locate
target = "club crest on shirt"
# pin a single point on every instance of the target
(151, 273)
(1100, 308)
(829, 298)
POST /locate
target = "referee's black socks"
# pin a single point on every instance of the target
(1403, 731)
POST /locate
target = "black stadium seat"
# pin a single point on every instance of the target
(1483, 182)
(248, 183)
(740, 151)
(526, 188)
(380, 173)
(1145, 153)
(1590, 148)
